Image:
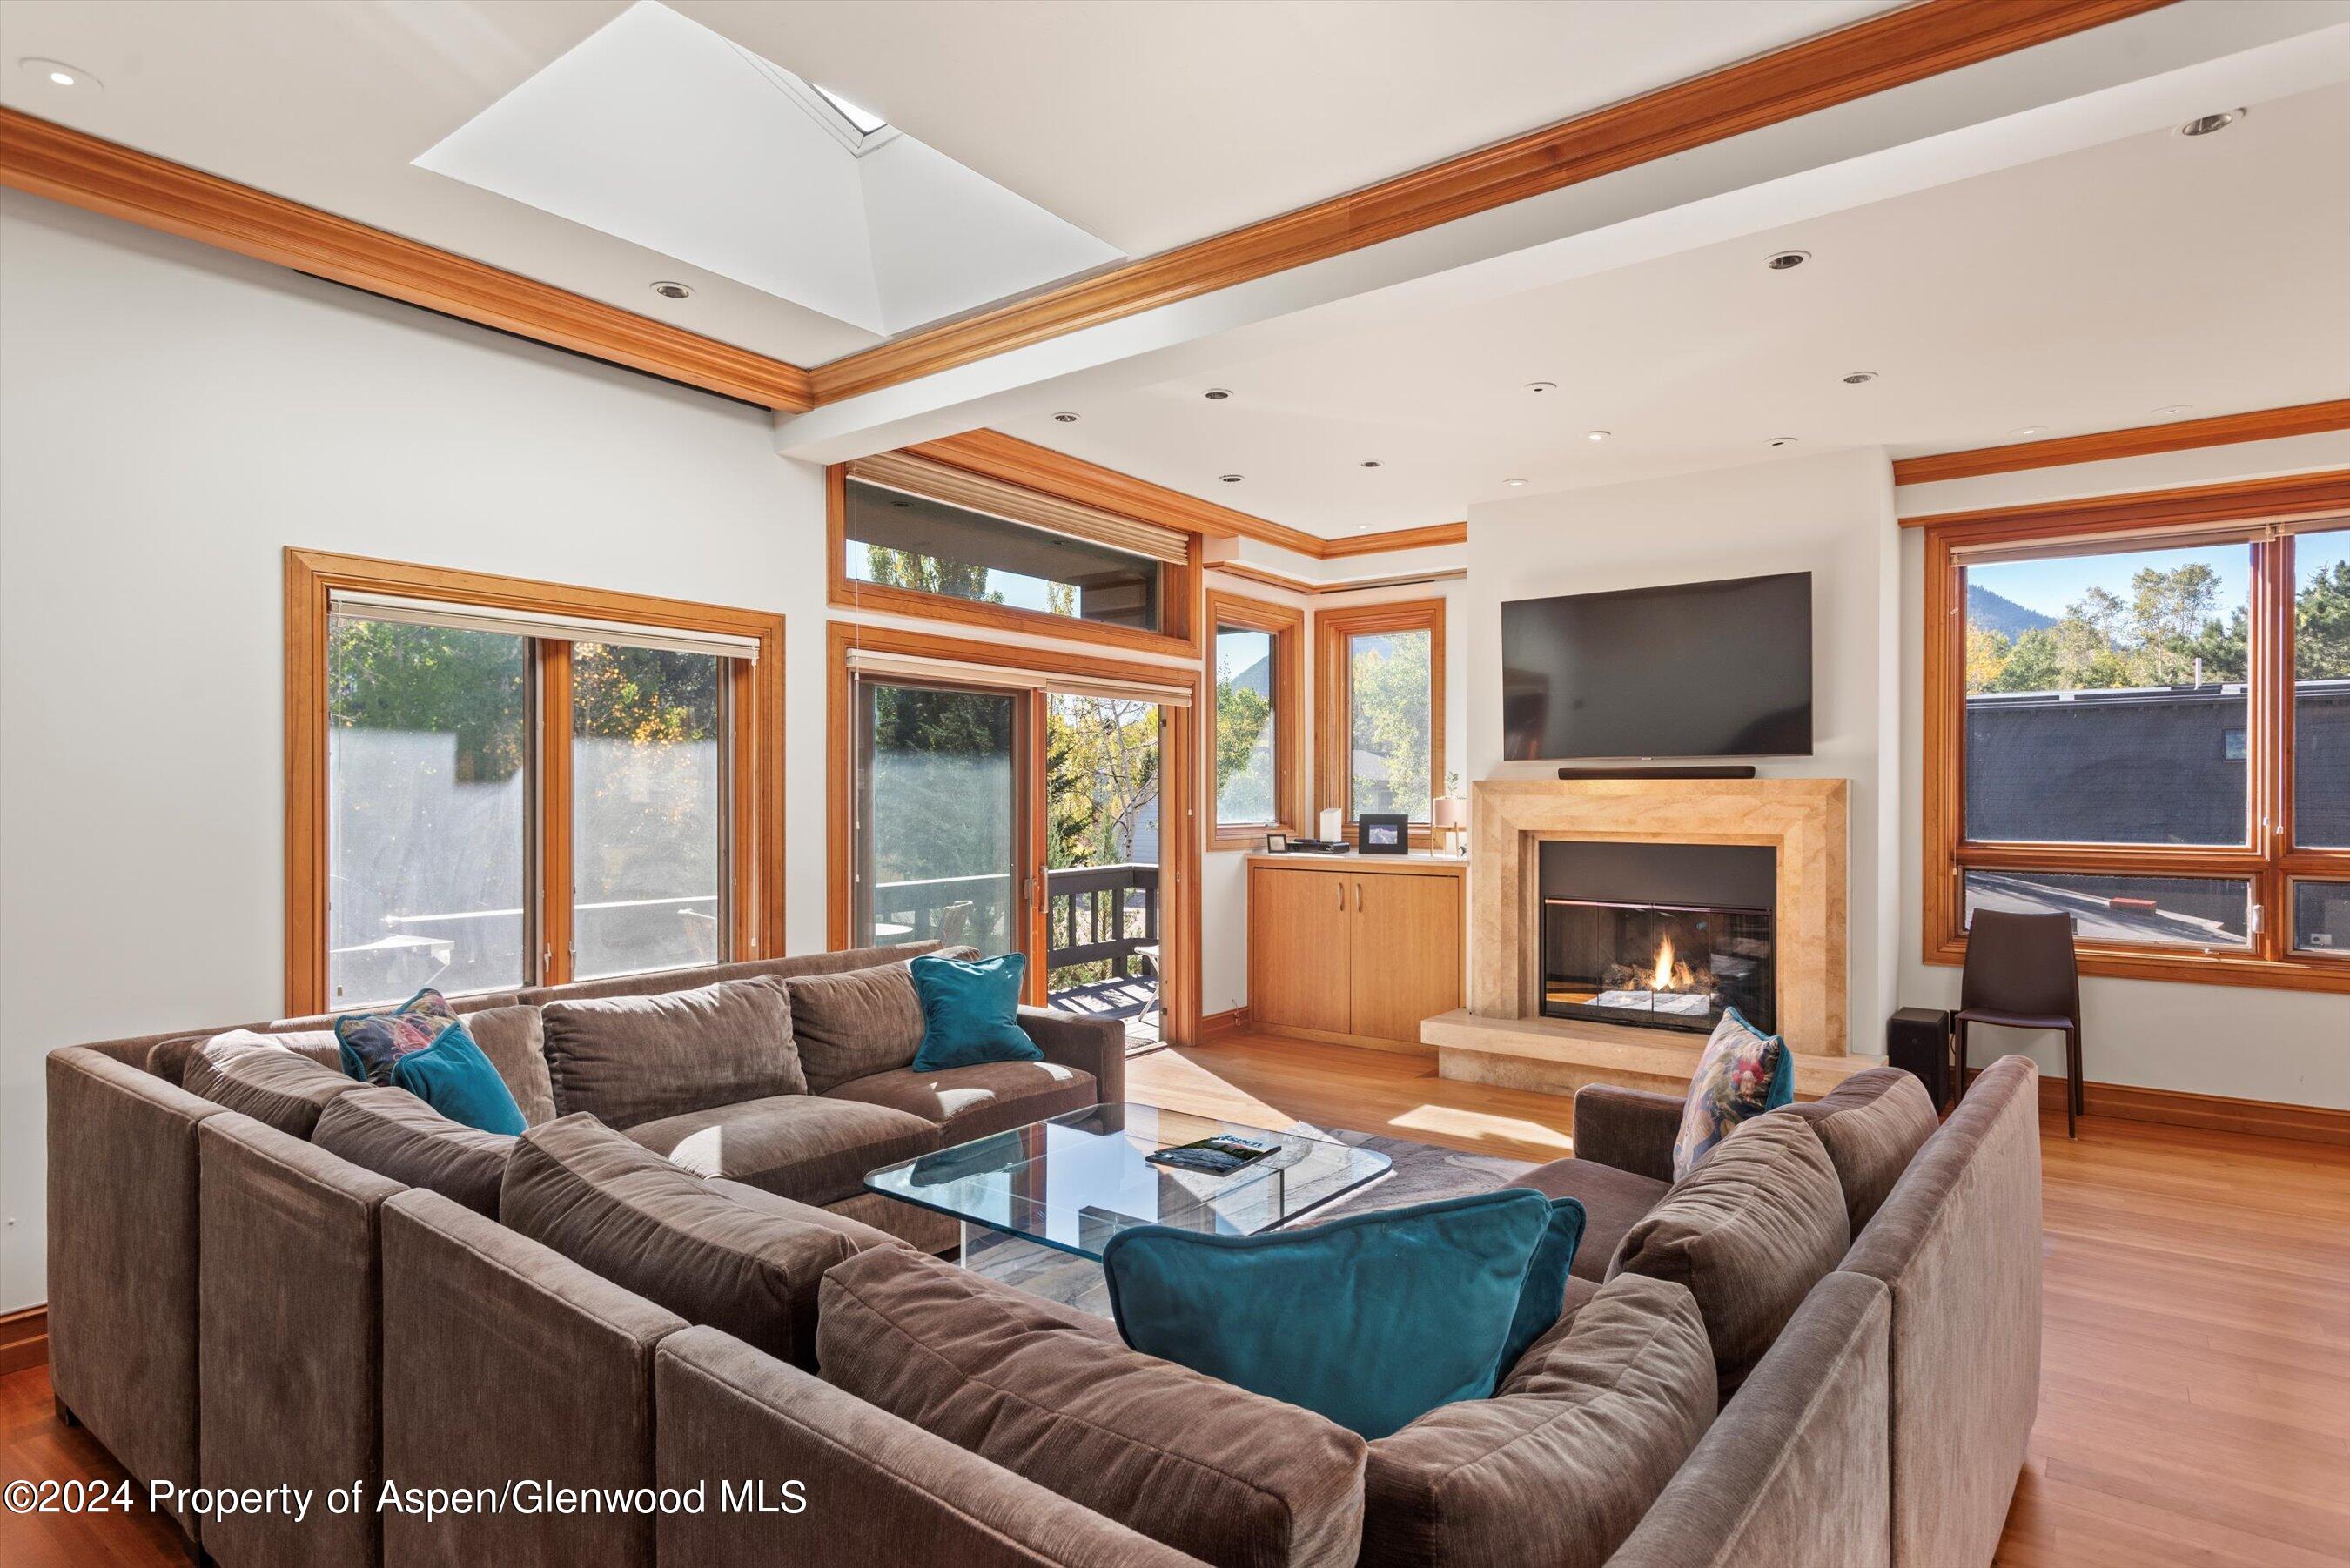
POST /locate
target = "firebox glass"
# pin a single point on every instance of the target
(1664, 966)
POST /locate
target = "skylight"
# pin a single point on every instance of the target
(658, 131)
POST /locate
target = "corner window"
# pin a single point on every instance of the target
(1382, 678)
(1255, 728)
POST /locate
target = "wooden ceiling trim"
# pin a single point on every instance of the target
(1433, 535)
(2220, 430)
(1872, 55)
(81, 171)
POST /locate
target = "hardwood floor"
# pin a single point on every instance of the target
(2195, 1372)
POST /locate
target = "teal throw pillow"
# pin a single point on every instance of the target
(1742, 1073)
(456, 1079)
(1371, 1320)
(970, 1012)
(372, 1043)
(1544, 1292)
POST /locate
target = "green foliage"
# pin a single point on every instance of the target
(1241, 717)
(2155, 637)
(389, 675)
(1389, 674)
(2321, 626)
(926, 574)
(1101, 759)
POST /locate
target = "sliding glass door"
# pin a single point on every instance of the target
(1103, 781)
(942, 847)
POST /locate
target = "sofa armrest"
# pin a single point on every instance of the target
(877, 1491)
(1631, 1129)
(1096, 1045)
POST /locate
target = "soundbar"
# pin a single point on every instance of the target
(1716, 771)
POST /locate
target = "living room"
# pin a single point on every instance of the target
(1088, 753)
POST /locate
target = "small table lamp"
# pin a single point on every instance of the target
(1450, 818)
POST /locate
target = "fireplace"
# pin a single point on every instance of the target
(1666, 935)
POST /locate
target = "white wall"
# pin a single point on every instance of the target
(1831, 516)
(2292, 1046)
(173, 417)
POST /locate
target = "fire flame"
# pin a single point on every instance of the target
(1662, 979)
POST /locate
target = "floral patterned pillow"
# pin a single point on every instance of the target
(1742, 1073)
(373, 1043)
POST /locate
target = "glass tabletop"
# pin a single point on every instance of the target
(1076, 1180)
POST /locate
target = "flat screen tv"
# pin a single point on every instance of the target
(1693, 669)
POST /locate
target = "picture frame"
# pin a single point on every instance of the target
(1276, 844)
(1383, 833)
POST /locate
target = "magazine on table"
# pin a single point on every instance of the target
(1219, 1155)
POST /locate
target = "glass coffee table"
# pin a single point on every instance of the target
(1071, 1183)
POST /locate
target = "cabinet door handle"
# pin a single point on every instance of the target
(1341, 888)
(1359, 898)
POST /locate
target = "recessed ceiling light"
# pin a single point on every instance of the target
(2172, 410)
(2028, 430)
(1362, 527)
(1370, 462)
(1064, 418)
(1860, 377)
(1513, 484)
(1215, 394)
(59, 74)
(1783, 440)
(669, 290)
(1786, 259)
(2205, 124)
(1542, 386)
(1231, 478)
(1597, 435)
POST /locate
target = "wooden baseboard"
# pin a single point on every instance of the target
(2217, 1113)
(1361, 1042)
(1216, 1026)
(24, 1339)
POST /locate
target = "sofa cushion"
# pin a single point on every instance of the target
(1749, 1233)
(856, 1024)
(810, 1147)
(515, 1043)
(1556, 1469)
(973, 1102)
(252, 1074)
(1433, 1295)
(1230, 1477)
(631, 1059)
(1613, 1201)
(711, 1251)
(1872, 1125)
(393, 1133)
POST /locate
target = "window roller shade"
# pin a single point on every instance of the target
(937, 481)
(953, 672)
(2120, 541)
(564, 629)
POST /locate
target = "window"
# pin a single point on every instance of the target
(495, 783)
(914, 536)
(1256, 731)
(2139, 716)
(1381, 715)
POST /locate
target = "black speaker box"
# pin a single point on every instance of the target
(1917, 1040)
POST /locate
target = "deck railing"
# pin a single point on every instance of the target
(1093, 913)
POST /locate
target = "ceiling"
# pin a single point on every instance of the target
(1247, 108)
(2085, 292)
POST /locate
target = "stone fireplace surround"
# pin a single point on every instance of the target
(1502, 1037)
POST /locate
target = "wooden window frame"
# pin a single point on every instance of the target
(1287, 629)
(1179, 593)
(752, 801)
(1333, 699)
(2268, 859)
(1178, 817)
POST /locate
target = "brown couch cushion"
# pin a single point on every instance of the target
(393, 1133)
(973, 1102)
(1613, 1200)
(1557, 1466)
(266, 1081)
(515, 1040)
(1872, 1125)
(810, 1147)
(1749, 1233)
(714, 1253)
(630, 1059)
(170, 1058)
(1231, 1477)
(854, 1024)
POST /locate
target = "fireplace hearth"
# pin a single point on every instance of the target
(1663, 936)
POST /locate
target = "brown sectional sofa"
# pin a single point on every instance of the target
(236, 1303)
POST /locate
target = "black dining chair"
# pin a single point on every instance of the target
(2022, 974)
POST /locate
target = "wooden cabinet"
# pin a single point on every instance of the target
(1357, 949)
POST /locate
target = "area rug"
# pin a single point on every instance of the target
(1422, 1173)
